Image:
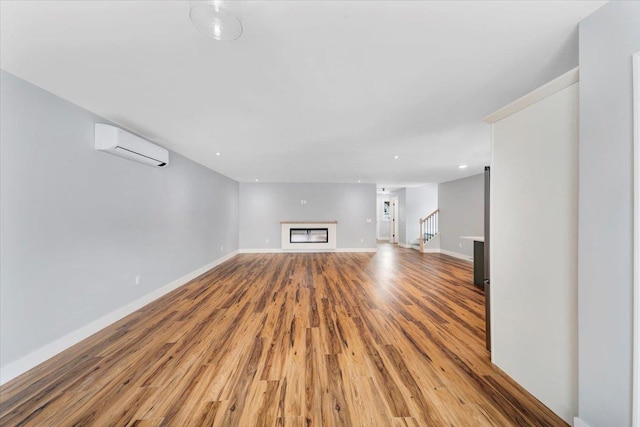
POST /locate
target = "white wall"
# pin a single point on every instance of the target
(461, 204)
(636, 242)
(78, 225)
(264, 206)
(534, 213)
(608, 39)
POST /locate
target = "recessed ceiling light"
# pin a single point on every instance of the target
(359, 181)
(218, 19)
(462, 166)
(396, 157)
(257, 180)
(217, 154)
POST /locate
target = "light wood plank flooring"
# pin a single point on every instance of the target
(338, 339)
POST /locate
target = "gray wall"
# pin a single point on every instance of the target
(608, 38)
(264, 206)
(421, 201)
(461, 204)
(78, 225)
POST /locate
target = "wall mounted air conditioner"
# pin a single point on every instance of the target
(122, 143)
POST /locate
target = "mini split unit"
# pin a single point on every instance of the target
(117, 141)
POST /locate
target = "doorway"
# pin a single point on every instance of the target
(393, 221)
(383, 211)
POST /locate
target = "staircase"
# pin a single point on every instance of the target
(428, 230)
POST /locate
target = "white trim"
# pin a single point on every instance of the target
(367, 250)
(35, 358)
(457, 255)
(555, 85)
(262, 251)
(636, 242)
(431, 251)
(450, 253)
(577, 422)
(301, 251)
(405, 245)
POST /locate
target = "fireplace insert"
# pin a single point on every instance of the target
(309, 235)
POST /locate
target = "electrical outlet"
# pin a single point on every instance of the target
(137, 281)
(460, 244)
(361, 240)
(266, 240)
(221, 248)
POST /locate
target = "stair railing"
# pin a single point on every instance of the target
(428, 228)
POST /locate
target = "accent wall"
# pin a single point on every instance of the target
(264, 205)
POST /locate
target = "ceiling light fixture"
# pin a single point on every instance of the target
(217, 154)
(462, 166)
(359, 181)
(218, 19)
(257, 180)
(395, 157)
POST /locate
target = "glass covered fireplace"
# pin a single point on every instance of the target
(309, 235)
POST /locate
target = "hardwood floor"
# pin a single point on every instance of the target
(388, 339)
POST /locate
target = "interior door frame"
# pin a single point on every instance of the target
(636, 240)
(381, 221)
(393, 221)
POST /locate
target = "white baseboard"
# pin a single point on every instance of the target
(291, 251)
(456, 255)
(35, 358)
(446, 252)
(405, 245)
(577, 422)
(261, 251)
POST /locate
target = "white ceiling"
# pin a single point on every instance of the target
(313, 91)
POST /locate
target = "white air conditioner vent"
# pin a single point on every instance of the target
(117, 141)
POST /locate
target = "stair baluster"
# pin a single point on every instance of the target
(428, 228)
